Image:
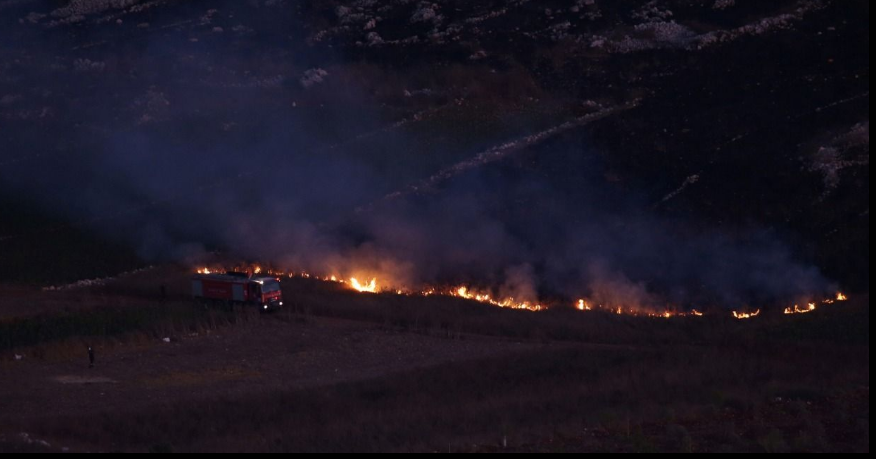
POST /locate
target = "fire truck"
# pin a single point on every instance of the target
(239, 288)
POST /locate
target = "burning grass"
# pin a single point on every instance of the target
(486, 296)
(447, 312)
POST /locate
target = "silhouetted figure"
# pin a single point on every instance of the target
(90, 357)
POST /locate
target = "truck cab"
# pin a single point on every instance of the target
(266, 291)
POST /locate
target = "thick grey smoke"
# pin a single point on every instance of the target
(178, 161)
(574, 234)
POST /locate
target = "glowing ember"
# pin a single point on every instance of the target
(370, 287)
(696, 313)
(584, 306)
(205, 271)
(841, 297)
(746, 315)
(798, 310)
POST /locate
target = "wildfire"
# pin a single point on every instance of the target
(798, 310)
(467, 293)
(746, 315)
(585, 305)
(370, 287)
(511, 303)
(812, 306)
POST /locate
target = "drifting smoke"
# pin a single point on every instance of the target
(187, 171)
(571, 234)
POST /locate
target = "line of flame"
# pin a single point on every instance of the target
(467, 293)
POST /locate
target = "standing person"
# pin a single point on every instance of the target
(90, 357)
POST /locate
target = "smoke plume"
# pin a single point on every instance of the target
(186, 149)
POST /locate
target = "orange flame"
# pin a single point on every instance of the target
(370, 287)
(746, 315)
(798, 310)
(584, 305)
(466, 293)
(511, 303)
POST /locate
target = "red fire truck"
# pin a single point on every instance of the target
(239, 288)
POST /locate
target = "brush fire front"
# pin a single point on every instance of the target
(272, 287)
